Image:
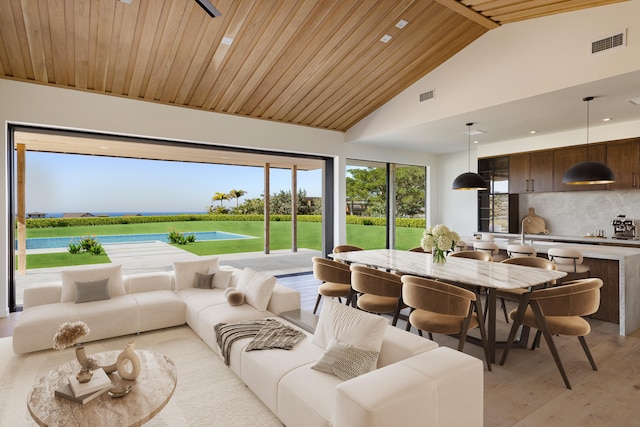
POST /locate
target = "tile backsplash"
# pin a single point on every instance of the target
(576, 213)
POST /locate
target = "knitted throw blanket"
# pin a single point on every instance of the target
(266, 333)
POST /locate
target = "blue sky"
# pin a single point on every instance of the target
(78, 183)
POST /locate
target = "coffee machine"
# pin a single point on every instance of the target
(624, 228)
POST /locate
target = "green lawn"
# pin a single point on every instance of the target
(309, 236)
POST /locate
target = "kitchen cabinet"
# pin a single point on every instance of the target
(566, 157)
(531, 172)
(624, 160)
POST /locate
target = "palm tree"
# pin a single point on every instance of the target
(220, 196)
(236, 194)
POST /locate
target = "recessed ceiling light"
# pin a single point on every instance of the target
(606, 119)
(227, 41)
(385, 38)
(476, 141)
(533, 131)
(402, 23)
(634, 101)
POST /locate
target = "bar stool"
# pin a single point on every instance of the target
(517, 251)
(489, 247)
(569, 260)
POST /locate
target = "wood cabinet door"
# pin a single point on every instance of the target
(541, 171)
(518, 173)
(624, 160)
(564, 158)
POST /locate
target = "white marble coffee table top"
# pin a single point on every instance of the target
(459, 270)
(150, 393)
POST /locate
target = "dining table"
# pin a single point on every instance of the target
(463, 272)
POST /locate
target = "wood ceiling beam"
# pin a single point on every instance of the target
(469, 13)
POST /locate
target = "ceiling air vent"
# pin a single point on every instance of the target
(610, 42)
(425, 96)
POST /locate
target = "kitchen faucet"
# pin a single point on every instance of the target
(525, 219)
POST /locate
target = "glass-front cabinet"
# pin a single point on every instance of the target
(497, 209)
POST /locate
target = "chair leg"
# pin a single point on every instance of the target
(585, 347)
(483, 335)
(536, 340)
(522, 306)
(396, 315)
(544, 327)
(504, 310)
(317, 304)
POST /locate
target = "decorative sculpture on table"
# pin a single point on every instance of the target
(437, 240)
(69, 333)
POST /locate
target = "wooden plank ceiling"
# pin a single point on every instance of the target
(308, 62)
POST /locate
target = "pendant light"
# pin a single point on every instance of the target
(588, 172)
(469, 180)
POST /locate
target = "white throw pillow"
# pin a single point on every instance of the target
(346, 361)
(186, 270)
(257, 288)
(346, 324)
(111, 272)
(222, 278)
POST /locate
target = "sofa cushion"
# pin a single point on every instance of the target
(186, 270)
(222, 279)
(348, 325)
(256, 287)
(95, 290)
(203, 280)
(111, 272)
(346, 361)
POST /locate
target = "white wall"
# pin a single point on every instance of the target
(24, 103)
(513, 62)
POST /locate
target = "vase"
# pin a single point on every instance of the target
(438, 256)
(128, 358)
(81, 355)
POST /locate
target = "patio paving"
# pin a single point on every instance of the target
(159, 256)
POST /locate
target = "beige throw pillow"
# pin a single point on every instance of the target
(257, 288)
(346, 361)
(96, 290)
(346, 324)
(203, 280)
(186, 270)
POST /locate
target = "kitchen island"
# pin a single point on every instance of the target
(616, 262)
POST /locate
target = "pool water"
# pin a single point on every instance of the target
(63, 242)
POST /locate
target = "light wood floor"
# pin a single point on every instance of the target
(528, 390)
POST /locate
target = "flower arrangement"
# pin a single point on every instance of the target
(438, 239)
(69, 333)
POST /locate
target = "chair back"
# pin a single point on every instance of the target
(346, 248)
(479, 255)
(489, 247)
(372, 281)
(327, 270)
(532, 261)
(564, 256)
(418, 249)
(575, 298)
(516, 251)
(435, 296)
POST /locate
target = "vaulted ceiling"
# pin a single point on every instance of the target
(308, 62)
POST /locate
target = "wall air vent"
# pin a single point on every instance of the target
(425, 96)
(613, 41)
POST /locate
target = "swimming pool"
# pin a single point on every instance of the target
(63, 242)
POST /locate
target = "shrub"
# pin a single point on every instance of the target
(178, 238)
(86, 244)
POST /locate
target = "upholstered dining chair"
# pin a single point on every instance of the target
(489, 247)
(515, 251)
(378, 291)
(418, 249)
(479, 255)
(442, 308)
(335, 277)
(516, 294)
(568, 259)
(559, 311)
(346, 248)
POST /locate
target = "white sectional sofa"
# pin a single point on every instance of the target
(413, 383)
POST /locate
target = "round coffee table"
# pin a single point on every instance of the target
(150, 393)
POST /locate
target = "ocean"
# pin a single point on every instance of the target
(61, 214)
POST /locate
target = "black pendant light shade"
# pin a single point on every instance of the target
(469, 180)
(588, 172)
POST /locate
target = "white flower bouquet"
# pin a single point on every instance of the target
(438, 239)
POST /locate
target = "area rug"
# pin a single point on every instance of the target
(208, 393)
